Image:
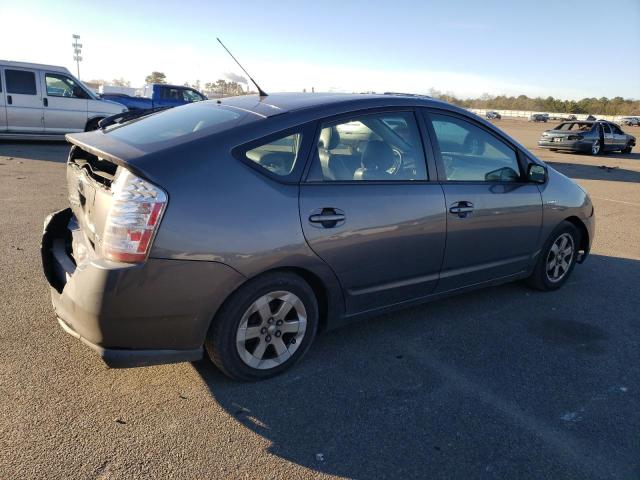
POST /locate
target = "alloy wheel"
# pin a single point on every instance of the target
(271, 330)
(595, 148)
(559, 258)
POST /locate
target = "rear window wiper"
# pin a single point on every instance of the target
(120, 118)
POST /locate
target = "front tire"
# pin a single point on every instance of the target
(264, 327)
(626, 149)
(556, 259)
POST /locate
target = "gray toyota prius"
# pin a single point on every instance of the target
(244, 226)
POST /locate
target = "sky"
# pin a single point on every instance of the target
(562, 48)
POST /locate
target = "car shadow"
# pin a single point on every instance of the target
(47, 151)
(595, 172)
(440, 390)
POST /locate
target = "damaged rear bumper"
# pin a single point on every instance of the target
(131, 314)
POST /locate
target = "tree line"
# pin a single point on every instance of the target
(598, 106)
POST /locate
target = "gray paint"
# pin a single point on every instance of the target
(227, 222)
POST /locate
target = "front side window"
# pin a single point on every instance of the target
(191, 96)
(278, 156)
(63, 86)
(376, 147)
(470, 153)
(21, 82)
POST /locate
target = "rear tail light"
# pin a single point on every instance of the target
(136, 210)
(575, 137)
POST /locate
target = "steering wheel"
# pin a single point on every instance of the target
(397, 162)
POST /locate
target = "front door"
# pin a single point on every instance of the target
(23, 101)
(65, 104)
(369, 211)
(493, 216)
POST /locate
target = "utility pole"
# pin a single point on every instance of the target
(77, 50)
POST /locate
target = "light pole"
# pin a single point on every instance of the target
(77, 50)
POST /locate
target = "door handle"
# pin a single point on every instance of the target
(9, 100)
(461, 208)
(327, 218)
(45, 102)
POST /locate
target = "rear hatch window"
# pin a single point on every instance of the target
(179, 124)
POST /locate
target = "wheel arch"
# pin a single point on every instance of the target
(327, 306)
(320, 290)
(584, 235)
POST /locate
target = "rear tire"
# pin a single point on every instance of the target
(251, 338)
(596, 148)
(555, 262)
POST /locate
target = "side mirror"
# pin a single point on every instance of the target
(536, 173)
(78, 92)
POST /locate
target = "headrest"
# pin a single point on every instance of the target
(377, 155)
(329, 138)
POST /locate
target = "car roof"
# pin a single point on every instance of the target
(279, 103)
(40, 66)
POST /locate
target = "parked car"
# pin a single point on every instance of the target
(561, 117)
(592, 137)
(245, 226)
(157, 95)
(44, 102)
(493, 115)
(538, 117)
(630, 121)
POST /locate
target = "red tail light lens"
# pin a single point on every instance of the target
(135, 214)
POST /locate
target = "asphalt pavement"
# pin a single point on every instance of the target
(504, 382)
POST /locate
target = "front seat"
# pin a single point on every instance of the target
(333, 168)
(377, 158)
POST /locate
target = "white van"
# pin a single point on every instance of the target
(45, 102)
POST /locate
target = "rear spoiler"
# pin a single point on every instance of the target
(120, 118)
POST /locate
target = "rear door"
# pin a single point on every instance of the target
(65, 104)
(493, 217)
(619, 138)
(23, 100)
(369, 210)
(3, 110)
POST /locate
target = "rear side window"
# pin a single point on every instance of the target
(187, 122)
(470, 153)
(171, 93)
(20, 82)
(278, 156)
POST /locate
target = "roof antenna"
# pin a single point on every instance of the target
(261, 92)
